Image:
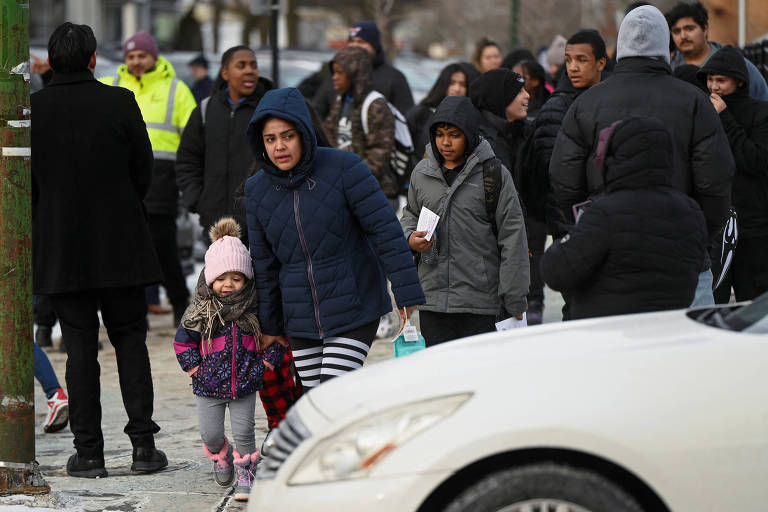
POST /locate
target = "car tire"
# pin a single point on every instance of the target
(543, 487)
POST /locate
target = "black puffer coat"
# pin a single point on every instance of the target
(702, 162)
(639, 247)
(215, 159)
(745, 121)
(535, 188)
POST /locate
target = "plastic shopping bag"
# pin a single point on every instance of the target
(409, 340)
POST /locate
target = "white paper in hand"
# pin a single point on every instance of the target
(427, 222)
(511, 323)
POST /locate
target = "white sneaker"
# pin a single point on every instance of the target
(58, 412)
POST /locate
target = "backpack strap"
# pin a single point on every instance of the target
(492, 189)
(204, 108)
(366, 105)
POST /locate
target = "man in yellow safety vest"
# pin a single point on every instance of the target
(166, 103)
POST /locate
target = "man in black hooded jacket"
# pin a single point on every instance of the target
(642, 84)
(387, 79)
(745, 121)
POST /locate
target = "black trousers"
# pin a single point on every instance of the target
(537, 237)
(441, 327)
(44, 313)
(162, 228)
(124, 311)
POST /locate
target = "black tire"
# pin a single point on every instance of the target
(547, 483)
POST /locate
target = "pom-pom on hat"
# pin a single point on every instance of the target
(227, 253)
(141, 41)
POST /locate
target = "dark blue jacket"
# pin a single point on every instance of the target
(322, 236)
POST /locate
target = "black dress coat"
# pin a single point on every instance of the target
(91, 168)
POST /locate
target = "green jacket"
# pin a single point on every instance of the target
(475, 273)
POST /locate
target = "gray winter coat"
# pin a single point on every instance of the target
(475, 272)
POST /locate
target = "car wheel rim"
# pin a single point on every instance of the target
(543, 505)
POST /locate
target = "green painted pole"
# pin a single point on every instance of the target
(514, 25)
(19, 473)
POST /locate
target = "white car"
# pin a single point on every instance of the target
(650, 412)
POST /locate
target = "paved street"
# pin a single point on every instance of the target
(187, 485)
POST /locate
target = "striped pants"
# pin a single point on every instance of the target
(320, 360)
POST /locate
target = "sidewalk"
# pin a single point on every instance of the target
(187, 484)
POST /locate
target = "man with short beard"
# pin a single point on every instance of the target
(689, 26)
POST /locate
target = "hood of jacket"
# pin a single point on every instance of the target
(457, 111)
(287, 104)
(635, 153)
(163, 70)
(727, 61)
(494, 90)
(644, 32)
(357, 63)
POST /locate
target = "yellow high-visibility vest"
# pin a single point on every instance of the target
(165, 103)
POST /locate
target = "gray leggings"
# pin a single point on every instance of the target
(210, 413)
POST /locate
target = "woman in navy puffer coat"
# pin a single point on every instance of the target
(322, 239)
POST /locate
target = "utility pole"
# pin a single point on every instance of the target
(274, 15)
(514, 25)
(19, 473)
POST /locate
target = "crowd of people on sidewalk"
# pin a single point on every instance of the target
(634, 163)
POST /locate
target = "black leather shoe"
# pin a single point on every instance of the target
(43, 336)
(86, 468)
(146, 460)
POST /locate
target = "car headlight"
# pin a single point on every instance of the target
(353, 451)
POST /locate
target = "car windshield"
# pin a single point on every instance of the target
(752, 317)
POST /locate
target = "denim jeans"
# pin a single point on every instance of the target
(44, 372)
(704, 296)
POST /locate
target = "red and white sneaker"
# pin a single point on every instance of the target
(58, 412)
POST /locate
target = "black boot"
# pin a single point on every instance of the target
(146, 460)
(86, 468)
(43, 336)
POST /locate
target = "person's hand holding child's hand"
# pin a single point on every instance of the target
(193, 371)
(265, 340)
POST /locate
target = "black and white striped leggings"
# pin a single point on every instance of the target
(320, 360)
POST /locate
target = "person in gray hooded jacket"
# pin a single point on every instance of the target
(467, 272)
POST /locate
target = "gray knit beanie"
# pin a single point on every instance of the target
(643, 33)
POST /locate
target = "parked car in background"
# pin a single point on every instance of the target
(105, 66)
(654, 412)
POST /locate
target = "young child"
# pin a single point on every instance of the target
(217, 345)
(467, 269)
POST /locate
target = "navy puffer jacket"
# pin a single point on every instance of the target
(322, 236)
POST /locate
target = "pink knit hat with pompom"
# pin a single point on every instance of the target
(227, 253)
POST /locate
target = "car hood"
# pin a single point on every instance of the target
(517, 358)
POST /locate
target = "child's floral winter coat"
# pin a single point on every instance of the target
(230, 364)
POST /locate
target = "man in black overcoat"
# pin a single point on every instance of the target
(91, 167)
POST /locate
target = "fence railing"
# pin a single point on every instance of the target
(757, 53)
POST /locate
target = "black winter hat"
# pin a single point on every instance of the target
(367, 31)
(495, 89)
(726, 61)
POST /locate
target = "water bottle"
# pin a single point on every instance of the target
(409, 341)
